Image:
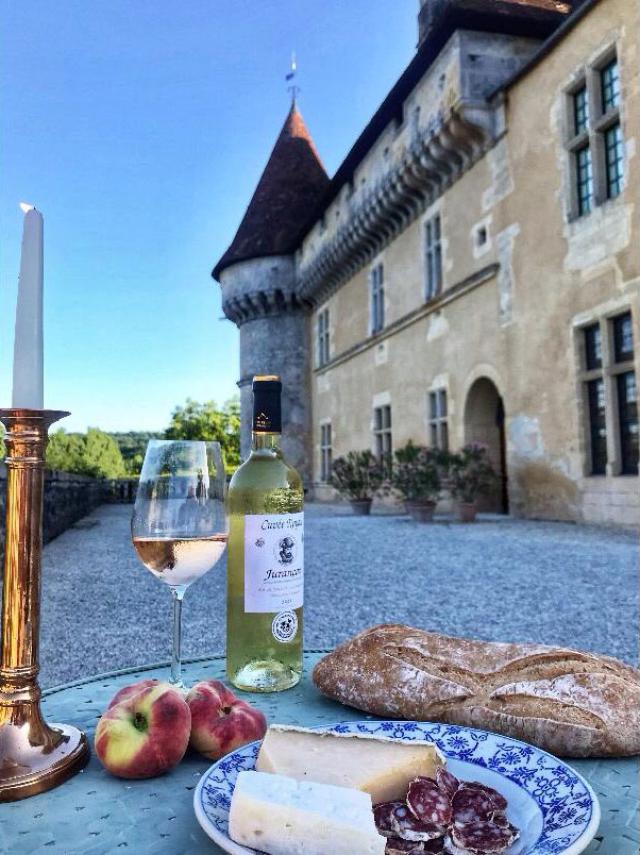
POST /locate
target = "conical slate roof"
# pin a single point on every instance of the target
(289, 190)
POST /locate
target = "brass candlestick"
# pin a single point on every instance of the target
(33, 755)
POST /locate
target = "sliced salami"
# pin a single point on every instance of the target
(447, 782)
(395, 846)
(428, 803)
(482, 838)
(408, 827)
(471, 805)
(497, 798)
(434, 847)
(406, 847)
(395, 820)
(383, 815)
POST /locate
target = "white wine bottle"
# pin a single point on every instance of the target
(265, 561)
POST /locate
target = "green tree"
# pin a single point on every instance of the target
(94, 453)
(207, 422)
(102, 455)
(133, 445)
(65, 452)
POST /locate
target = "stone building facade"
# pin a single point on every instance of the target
(471, 272)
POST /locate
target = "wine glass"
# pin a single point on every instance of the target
(179, 523)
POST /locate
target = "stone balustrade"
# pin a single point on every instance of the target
(69, 497)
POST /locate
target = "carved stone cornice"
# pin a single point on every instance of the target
(263, 303)
(430, 164)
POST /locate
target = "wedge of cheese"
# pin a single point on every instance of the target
(282, 816)
(378, 766)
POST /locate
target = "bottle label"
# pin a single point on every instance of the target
(284, 627)
(273, 562)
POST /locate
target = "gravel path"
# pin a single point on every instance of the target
(499, 579)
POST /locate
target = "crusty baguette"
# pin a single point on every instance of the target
(570, 703)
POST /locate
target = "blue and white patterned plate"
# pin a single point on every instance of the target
(555, 809)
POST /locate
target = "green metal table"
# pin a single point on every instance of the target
(96, 814)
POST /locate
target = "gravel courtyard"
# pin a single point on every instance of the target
(499, 579)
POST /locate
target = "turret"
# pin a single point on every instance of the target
(257, 275)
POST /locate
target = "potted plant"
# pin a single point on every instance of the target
(358, 476)
(417, 476)
(470, 475)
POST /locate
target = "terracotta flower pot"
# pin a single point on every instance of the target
(420, 511)
(361, 507)
(466, 511)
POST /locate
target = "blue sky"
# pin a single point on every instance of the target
(140, 129)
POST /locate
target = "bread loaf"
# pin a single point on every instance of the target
(569, 703)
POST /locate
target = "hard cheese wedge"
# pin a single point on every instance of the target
(381, 767)
(282, 816)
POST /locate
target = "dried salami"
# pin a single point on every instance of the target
(434, 847)
(471, 805)
(482, 838)
(428, 803)
(395, 846)
(406, 847)
(383, 815)
(447, 782)
(499, 801)
(446, 815)
(408, 827)
(395, 820)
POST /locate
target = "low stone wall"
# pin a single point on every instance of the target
(121, 491)
(67, 498)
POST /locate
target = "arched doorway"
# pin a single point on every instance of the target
(484, 422)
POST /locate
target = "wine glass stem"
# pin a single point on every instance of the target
(177, 594)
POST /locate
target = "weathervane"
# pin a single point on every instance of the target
(290, 78)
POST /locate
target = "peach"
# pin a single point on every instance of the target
(127, 691)
(145, 733)
(221, 722)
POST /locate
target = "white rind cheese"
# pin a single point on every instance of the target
(281, 816)
(378, 766)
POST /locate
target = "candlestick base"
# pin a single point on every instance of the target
(34, 756)
(28, 769)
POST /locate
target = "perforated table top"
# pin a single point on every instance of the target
(96, 814)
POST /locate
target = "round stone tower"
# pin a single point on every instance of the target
(257, 275)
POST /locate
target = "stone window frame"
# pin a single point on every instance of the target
(438, 417)
(383, 434)
(594, 136)
(608, 371)
(323, 337)
(433, 261)
(376, 298)
(326, 451)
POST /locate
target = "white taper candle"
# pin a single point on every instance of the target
(28, 360)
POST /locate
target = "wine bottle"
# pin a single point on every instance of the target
(265, 575)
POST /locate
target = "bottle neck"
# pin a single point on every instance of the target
(265, 441)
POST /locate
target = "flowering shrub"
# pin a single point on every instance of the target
(471, 472)
(358, 475)
(417, 472)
